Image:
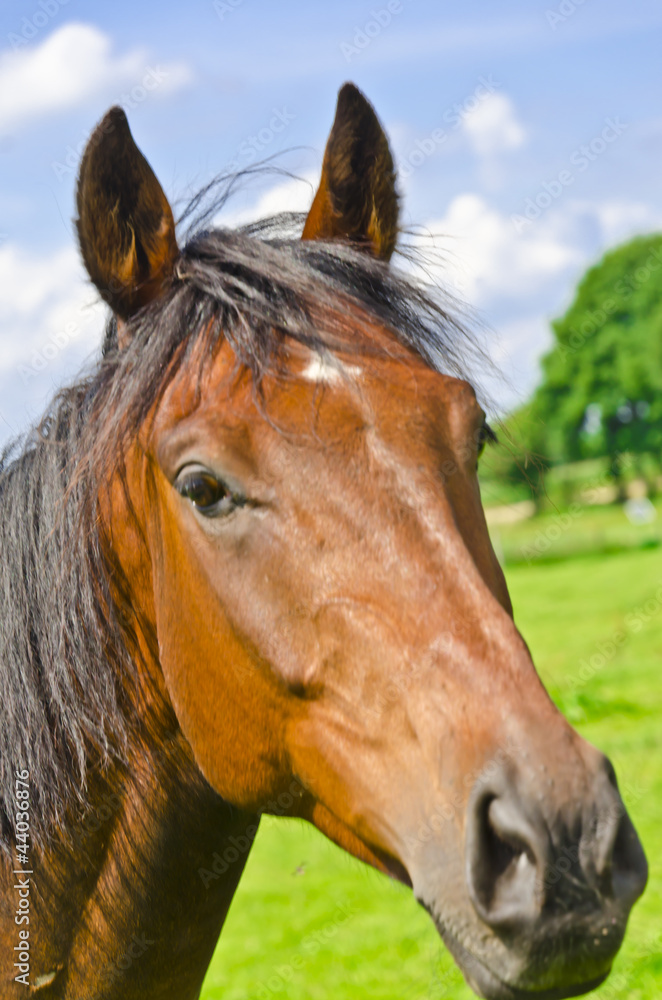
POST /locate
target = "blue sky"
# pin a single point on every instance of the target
(487, 106)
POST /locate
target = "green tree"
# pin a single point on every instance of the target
(601, 392)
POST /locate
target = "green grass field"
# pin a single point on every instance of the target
(310, 922)
(570, 532)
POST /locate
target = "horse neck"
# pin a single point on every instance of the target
(133, 906)
(156, 902)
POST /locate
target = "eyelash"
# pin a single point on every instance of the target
(485, 436)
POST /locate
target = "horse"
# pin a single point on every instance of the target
(245, 570)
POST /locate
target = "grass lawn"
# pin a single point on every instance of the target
(310, 922)
(559, 535)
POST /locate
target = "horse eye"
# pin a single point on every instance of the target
(209, 495)
(485, 436)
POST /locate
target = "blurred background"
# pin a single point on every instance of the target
(528, 140)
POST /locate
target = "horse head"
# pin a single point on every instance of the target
(298, 519)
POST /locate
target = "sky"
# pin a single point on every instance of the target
(527, 137)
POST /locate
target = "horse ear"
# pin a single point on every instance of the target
(356, 198)
(125, 225)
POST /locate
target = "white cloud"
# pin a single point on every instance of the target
(485, 256)
(75, 63)
(620, 220)
(51, 321)
(492, 125)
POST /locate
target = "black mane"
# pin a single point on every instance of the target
(67, 662)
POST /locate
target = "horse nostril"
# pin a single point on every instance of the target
(504, 857)
(522, 866)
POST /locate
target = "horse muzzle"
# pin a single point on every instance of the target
(550, 886)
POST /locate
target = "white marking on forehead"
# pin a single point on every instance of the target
(328, 369)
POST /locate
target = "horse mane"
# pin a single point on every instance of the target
(68, 660)
(61, 697)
